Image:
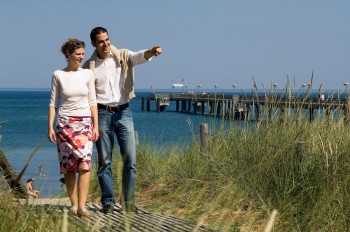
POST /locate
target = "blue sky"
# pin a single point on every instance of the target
(204, 41)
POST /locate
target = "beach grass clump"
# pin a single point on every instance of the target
(22, 215)
(15, 216)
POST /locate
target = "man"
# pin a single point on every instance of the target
(114, 83)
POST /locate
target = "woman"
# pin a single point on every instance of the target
(76, 126)
(30, 191)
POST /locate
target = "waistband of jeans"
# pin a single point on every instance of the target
(118, 108)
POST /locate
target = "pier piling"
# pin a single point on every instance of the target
(300, 152)
(204, 138)
(148, 103)
(158, 104)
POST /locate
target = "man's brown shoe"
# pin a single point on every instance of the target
(107, 209)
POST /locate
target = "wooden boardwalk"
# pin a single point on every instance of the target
(119, 220)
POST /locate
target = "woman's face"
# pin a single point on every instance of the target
(76, 57)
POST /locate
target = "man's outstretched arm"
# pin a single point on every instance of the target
(155, 51)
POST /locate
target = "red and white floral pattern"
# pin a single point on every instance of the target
(74, 143)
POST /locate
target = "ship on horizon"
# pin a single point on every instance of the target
(179, 85)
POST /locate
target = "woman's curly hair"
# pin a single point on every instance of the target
(69, 46)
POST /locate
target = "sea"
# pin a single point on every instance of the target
(23, 129)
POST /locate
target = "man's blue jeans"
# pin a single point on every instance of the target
(121, 124)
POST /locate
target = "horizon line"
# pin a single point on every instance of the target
(178, 89)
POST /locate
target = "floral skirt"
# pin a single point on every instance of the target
(74, 143)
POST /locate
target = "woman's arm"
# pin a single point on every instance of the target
(55, 91)
(94, 116)
(51, 132)
(93, 106)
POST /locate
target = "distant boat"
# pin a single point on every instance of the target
(181, 85)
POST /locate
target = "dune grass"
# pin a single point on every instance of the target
(248, 173)
(16, 216)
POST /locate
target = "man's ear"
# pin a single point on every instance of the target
(93, 44)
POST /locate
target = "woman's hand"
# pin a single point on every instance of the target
(51, 116)
(51, 135)
(95, 134)
(94, 115)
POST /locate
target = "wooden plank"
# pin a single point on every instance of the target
(181, 224)
(119, 220)
(137, 216)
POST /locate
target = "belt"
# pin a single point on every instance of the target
(113, 108)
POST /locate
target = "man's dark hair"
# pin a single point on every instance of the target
(96, 31)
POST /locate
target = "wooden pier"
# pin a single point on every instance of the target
(243, 107)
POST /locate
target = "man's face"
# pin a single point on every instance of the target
(102, 45)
